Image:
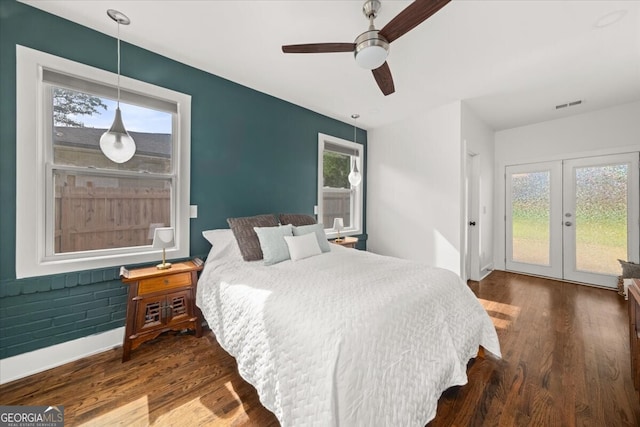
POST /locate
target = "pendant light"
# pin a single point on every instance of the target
(116, 143)
(355, 177)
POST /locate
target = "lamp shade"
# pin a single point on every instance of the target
(163, 237)
(116, 143)
(371, 57)
(338, 224)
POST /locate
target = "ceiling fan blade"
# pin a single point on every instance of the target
(412, 16)
(319, 48)
(382, 74)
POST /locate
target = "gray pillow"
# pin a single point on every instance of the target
(245, 235)
(274, 247)
(630, 270)
(296, 219)
(315, 228)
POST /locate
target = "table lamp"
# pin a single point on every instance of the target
(338, 225)
(163, 238)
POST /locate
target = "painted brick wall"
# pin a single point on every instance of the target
(49, 310)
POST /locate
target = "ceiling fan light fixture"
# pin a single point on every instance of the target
(371, 50)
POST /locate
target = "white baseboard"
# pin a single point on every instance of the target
(23, 365)
(486, 270)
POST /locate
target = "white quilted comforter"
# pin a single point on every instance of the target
(346, 338)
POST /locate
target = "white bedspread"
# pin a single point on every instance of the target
(346, 338)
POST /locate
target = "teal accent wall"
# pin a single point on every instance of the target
(251, 153)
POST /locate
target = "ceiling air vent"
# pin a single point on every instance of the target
(569, 104)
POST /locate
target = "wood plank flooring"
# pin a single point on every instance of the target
(565, 363)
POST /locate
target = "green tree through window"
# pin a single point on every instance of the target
(67, 104)
(336, 170)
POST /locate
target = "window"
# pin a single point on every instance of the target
(76, 209)
(337, 198)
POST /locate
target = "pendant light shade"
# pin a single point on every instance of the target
(355, 177)
(116, 143)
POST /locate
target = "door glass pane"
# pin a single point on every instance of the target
(530, 207)
(601, 218)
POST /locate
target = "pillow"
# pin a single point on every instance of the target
(296, 219)
(318, 230)
(301, 247)
(223, 244)
(245, 235)
(274, 248)
(215, 237)
(630, 270)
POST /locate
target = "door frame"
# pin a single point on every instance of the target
(471, 238)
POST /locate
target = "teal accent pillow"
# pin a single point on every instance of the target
(272, 243)
(314, 228)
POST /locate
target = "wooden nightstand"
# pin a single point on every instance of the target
(347, 242)
(634, 331)
(159, 301)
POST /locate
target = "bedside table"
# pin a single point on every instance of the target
(160, 301)
(347, 242)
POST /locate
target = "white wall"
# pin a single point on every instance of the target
(479, 139)
(414, 186)
(608, 131)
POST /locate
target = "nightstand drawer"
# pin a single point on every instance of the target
(157, 284)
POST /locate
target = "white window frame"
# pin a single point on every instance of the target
(32, 169)
(357, 191)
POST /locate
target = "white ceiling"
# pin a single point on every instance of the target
(512, 61)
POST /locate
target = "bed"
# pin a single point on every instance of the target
(345, 338)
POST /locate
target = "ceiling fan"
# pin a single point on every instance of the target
(372, 47)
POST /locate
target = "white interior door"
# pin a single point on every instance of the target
(472, 260)
(573, 219)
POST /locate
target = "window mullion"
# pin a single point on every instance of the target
(111, 172)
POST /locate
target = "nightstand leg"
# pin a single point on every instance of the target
(198, 322)
(126, 350)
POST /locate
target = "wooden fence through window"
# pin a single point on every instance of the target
(89, 218)
(336, 203)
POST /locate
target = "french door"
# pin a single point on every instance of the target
(573, 219)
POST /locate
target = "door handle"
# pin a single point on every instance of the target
(568, 223)
(472, 223)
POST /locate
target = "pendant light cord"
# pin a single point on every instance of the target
(118, 21)
(355, 120)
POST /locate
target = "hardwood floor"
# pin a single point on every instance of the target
(565, 363)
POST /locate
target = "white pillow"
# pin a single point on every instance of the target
(223, 244)
(274, 249)
(304, 246)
